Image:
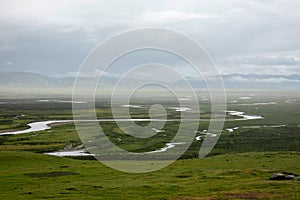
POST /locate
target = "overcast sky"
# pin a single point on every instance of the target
(53, 37)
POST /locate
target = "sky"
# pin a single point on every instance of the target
(54, 37)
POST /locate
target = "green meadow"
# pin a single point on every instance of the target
(238, 167)
(27, 175)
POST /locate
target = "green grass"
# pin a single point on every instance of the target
(241, 140)
(27, 175)
(17, 112)
(43, 141)
(238, 167)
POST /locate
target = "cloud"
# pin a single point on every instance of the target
(265, 60)
(9, 63)
(6, 48)
(272, 60)
(264, 79)
(171, 16)
(248, 36)
(91, 74)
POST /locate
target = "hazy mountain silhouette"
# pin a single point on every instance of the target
(239, 81)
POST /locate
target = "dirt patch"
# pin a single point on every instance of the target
(247, 195)
(195, 198)
(51, 174)
(227, 196)
(183, 176)
(9, 130)
(59, 123)
(230, 173)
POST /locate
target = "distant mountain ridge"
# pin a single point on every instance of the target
(253, 81)
(262, 81)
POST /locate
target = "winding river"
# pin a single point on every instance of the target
(45, 125)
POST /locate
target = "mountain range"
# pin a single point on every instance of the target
(238, 81)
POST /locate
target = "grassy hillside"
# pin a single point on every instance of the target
(27, 175)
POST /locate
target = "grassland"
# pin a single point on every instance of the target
(28, 175)
(238, 167)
